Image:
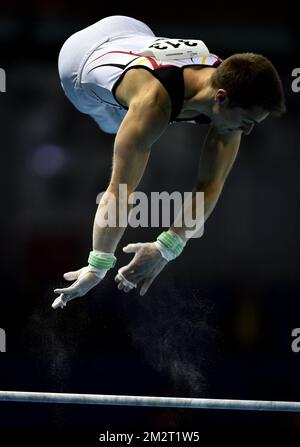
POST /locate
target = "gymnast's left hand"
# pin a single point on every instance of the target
(141, 271)
(85, 280)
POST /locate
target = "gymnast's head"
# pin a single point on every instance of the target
(247, 88)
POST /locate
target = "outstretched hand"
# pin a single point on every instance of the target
(84, 279)
(141, 271)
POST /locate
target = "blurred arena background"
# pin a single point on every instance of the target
(218, 321)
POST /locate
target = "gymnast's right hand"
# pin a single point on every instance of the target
(85, 279)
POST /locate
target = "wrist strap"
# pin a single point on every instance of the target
(103, 261)
(172, 242)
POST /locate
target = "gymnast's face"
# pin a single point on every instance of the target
(229, 119)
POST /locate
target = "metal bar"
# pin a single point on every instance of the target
(147, 401)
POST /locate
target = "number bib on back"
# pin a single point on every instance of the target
(168, 49)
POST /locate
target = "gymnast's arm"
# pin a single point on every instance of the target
(145, 121)
(217, 158)
(147, 117)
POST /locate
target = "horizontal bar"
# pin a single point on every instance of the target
(147, 401)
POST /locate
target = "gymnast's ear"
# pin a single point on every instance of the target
(221, 96)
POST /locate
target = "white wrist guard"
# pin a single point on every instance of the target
(100, 262)
(169, 244)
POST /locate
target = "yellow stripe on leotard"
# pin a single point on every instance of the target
(145, 59)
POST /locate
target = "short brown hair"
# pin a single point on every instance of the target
(250, 80)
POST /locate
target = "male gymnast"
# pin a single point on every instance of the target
(134, 85)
